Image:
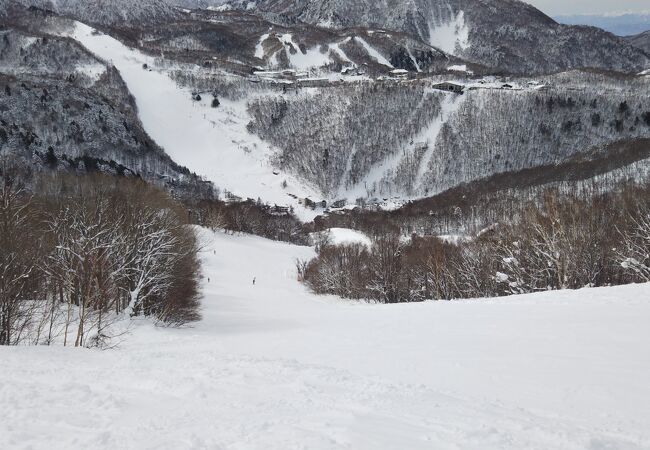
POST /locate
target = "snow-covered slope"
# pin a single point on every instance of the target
(64, 109)
(273, 367)
(213, 142)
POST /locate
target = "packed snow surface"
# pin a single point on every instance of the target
(336, 48)
(272, 366)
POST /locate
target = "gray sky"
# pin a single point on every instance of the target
(555, 7)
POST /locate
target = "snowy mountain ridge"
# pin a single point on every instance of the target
(109, 12)
(510, 35)
(504, 35)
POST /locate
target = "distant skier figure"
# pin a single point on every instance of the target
(254, 279)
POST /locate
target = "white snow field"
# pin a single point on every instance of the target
(273, 367)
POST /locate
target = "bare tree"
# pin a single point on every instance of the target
(18, 261)
(385, 269)
(634, 257)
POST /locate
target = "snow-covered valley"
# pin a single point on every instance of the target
(272, 366)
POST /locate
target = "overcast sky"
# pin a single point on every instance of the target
(556, 7)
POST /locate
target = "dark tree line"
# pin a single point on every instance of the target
(78, 253)
(562, 242)
(251, 217)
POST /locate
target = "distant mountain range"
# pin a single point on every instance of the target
(625, 24)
